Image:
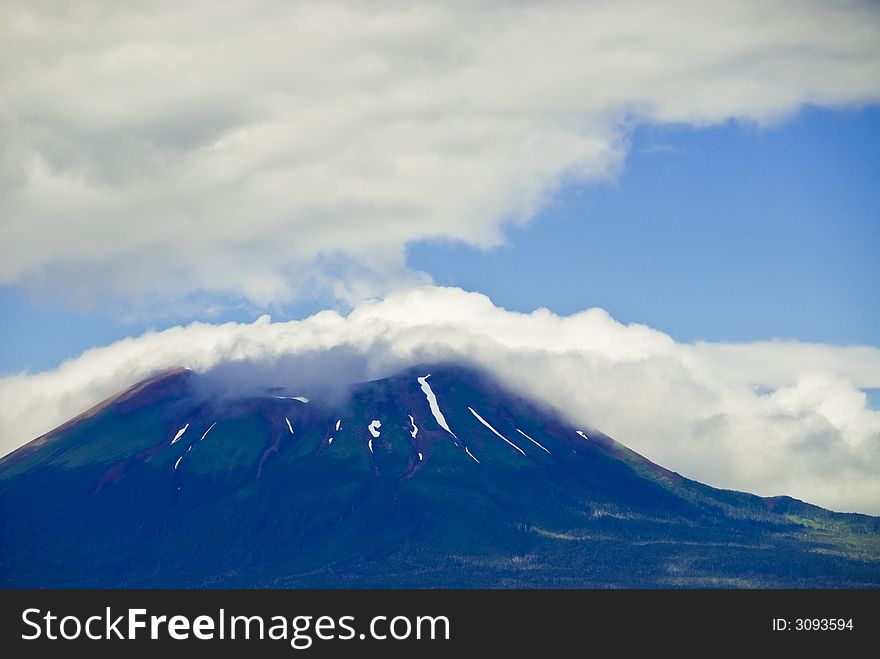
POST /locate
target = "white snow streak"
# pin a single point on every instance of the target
(179, 434)
(177, 464)
(420, 456)
(208, 430)
(536, 443)
(338, 426)
(471, 454)
(581, 433)
(301, 399)
(289, 427)
(415, 430)
(370, 445)
(432, 403)
(486, 423)
(375, 424)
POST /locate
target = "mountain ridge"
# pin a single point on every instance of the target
(484, 486)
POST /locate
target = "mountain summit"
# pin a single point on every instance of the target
(435, 477)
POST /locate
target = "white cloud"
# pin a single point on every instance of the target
(769, 417)
(267, 148)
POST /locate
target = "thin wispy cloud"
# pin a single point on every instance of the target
(269, 149)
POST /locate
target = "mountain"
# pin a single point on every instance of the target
(436, 477)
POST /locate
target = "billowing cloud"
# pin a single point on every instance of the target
(266, 149)
(768, 417)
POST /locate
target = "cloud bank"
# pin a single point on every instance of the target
(267, 149)
(769, 417)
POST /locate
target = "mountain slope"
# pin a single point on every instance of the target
(416, 480)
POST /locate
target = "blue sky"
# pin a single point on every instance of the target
(731, 233)
(724, 233)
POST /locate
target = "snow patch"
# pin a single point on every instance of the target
(329, 441)
(535, 442)
(177, 464)
(432, 403)
(179, 434)
(421, 457)
(289, 427)
(338, 424)
(370, 445)
(301, 399)
(486, 423)
(207, 431)
(471, 454)
(415, 430)
(581, 433)
(374, 426)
